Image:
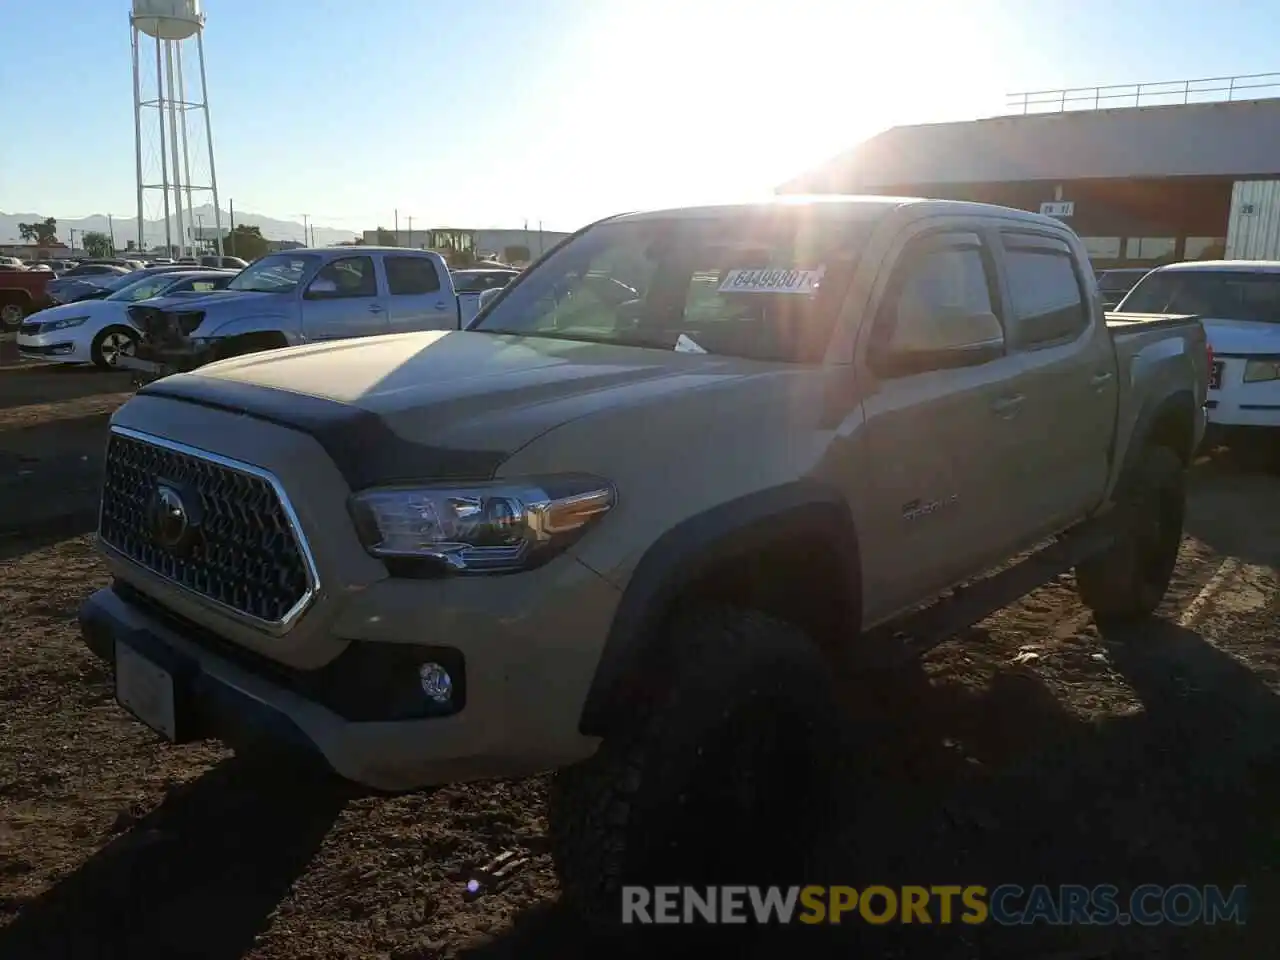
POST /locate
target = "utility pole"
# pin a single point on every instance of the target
(410, 243)
(304, 226)
(73, 238)
(199, 231)
(231, 216)
(111, 229)
(397, 216)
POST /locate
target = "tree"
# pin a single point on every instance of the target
(386, 238)
(97, 244)
(42, 232)
(245, 242)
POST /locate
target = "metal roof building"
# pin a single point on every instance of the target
(1142, 184)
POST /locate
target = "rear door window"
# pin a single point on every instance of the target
(411, 276)
(1047, 299)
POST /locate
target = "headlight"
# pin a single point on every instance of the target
(62, 324)
(489, 527)
(1258, 371)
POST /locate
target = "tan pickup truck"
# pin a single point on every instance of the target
(622, 525)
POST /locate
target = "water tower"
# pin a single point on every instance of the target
(161, 106)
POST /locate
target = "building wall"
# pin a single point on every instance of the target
(1123, 222)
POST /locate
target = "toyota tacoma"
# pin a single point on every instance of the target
(625, 523)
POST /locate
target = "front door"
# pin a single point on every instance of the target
(936, 438)
(417, 297)
(342, 300)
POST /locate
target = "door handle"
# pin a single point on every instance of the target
(441, 305)
(375, 308)
(1008, 407)
(1099, 379)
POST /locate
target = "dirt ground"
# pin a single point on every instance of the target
(1031, 750)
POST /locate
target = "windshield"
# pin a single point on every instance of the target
(279, 273)
(743, 284)
(142, 289)
(1218, 294)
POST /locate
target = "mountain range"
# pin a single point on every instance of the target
(125, 227)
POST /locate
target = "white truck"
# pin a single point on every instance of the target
(304, 296)
(1238, 302)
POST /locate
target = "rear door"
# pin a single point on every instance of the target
(1065, 382)
(343, 300)
(938, 438)
(419, 298)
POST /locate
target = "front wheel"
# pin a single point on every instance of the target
(726, 778)
(110, 345)
(1127, 581)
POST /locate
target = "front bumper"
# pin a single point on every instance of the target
(353, 714)
(56, 346)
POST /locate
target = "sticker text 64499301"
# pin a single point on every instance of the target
(771, 280)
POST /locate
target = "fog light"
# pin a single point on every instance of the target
(436, 682)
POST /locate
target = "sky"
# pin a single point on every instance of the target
(556, 111)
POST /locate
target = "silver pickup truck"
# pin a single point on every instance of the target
(304, 296)
(625, 522)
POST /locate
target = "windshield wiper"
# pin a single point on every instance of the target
(582, 338)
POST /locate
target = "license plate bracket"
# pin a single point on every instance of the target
(150, 691)
(1215, 375)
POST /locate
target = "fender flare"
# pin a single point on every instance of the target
(259, 323)
(696, 545)
(1177, 404)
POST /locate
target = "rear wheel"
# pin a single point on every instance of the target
(111, 344)
(740, 742)
(1128, 580)
(12, 313)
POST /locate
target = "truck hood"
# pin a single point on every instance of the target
(1242, 337)
(442, 405)
(240, 300)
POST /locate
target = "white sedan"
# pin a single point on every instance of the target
(1238, 301)
(99, 331)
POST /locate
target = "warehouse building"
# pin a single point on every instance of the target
(1141, 185)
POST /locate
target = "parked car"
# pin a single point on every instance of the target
(307, 296)
(12, 263)
(226, 262)
(1114, 284)
(478, 281)
(95, 287)
(99, 331)
(1238, 302)
(625, 539)
(22, 292)
(83, 280)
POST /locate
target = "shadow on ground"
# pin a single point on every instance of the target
(1184, 791)
(198, 877)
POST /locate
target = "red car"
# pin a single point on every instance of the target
(22, 292)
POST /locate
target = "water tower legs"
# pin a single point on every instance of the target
(208, 128)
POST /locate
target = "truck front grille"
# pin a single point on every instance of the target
(219, 528)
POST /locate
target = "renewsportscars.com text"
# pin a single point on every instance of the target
(1006, 905)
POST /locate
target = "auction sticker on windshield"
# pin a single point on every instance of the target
(771, 281)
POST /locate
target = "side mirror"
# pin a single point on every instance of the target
(939, 338)
(322, 287)
(488, 296)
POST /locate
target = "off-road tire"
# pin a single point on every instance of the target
(107, 345)
(728, 777)
(1126, 582)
